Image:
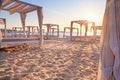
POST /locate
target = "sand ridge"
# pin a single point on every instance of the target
(55, 60)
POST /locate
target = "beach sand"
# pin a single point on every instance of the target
(55, 60)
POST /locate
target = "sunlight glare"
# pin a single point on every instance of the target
(91, 17)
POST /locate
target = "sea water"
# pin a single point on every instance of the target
(67, 34)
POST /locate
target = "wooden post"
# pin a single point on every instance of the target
(64, 32)
(71, 30)
(86, 29)
(5, 27)
(77, 32)
(48, 30)
(80, 29)
(23, 16)
(40, 20)
(52, 31)
(58, 30)
(0, 38)
(15, 32)
(94, 30)
(32, 30)
(28, 28)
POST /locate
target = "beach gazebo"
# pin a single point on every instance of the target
(16, 6)
(68, 28)
(31, 30)
(51, 27)
(81, 23)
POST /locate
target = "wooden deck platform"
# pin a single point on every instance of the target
(16, 41)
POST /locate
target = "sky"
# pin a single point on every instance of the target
(60, 12)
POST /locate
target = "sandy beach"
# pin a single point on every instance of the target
(55, 60)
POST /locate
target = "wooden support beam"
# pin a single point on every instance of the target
(30, 9)
(48, 30)
(71, 30)
(86, 29)
(77, 32)
(80, 29)
(58, 30)
(0, 38)
(64, 32)
(40, 21)
(5, 28)
(23, 17)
